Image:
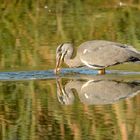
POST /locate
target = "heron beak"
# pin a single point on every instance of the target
(58, 63)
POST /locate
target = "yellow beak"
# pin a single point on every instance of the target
(58, 64)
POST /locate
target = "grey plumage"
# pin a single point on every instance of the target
(96, 54)
(106, 53)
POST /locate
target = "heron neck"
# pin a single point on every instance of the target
(74, 62)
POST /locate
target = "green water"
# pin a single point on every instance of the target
(72, 106)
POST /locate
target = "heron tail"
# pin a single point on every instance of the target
(139, 55)
(138, 59)
(135, 57)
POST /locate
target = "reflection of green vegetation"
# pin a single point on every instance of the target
(30, 31)
(30, 110)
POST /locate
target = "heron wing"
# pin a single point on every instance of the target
(105, 55)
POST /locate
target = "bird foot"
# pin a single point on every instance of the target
(101, 72)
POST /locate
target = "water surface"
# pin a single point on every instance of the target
(72, 105)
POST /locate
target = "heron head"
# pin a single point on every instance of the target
(63, 51)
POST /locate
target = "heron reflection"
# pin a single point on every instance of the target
(103, 91)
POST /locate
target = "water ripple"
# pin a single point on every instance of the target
(49, 74)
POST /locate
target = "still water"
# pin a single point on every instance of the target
(78, 104)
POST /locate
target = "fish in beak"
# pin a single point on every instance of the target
(59, 60)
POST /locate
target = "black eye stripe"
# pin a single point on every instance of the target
(59, 49)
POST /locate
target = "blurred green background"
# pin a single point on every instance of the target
(31, 30)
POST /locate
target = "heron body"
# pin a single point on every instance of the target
(96, 54)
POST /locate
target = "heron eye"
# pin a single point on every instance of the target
(59, 50)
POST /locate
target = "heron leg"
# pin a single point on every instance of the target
(101, 71)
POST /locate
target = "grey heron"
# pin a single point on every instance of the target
(96, 54)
